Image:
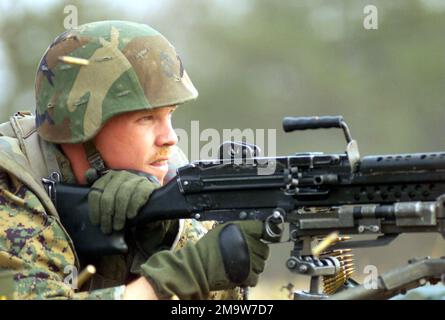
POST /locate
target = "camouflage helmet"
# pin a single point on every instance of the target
(98, 70)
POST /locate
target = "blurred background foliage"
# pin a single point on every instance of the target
(255, 62)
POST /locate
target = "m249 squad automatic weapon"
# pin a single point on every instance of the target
(323, 198)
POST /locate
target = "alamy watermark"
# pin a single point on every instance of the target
(371, 19)
(371, 280)
(72, 276)
(206, 144)
(71, 20)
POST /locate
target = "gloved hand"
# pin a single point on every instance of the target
(117, 196)
(155, 236)
(228, 256)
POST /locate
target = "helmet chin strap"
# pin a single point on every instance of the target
(98, 167)
(97, 164)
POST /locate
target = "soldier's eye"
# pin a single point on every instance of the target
(146, 118)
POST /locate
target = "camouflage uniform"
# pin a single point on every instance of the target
(34, 245)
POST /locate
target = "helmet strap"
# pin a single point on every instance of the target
(97, 164)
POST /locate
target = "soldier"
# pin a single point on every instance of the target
(105, 93)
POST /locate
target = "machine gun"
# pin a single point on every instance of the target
(322, 197)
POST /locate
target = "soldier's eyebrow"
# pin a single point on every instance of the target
(145, 113)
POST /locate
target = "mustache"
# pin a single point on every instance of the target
(164, 152)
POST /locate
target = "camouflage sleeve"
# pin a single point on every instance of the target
(35, 250)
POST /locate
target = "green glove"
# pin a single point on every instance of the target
(155, 236)
(228, 256)
(117, 196)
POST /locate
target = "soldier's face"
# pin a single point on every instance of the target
(139, 140)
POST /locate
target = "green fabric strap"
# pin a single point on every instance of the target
(97, 164)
